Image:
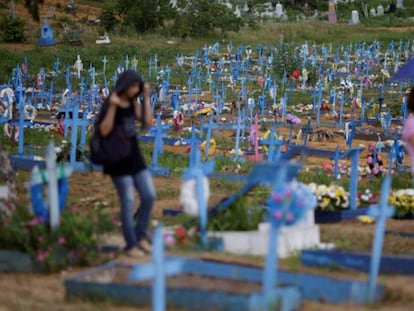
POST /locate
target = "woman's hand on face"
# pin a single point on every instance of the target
(115, 100)
(146, 90)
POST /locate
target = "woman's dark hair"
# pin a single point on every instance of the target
(126, 79)
(410, 100)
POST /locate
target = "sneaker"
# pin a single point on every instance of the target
(134, 253)
(144, 246)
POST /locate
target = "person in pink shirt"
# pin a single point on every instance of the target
(408, 131)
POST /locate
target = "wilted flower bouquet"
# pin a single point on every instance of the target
(330, 198)
(403, 200)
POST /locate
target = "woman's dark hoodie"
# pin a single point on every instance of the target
(125, 117)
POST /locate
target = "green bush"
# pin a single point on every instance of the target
(108, 19)
(203, 17)
(240, 216)
(74, 242)
(144, 15)
(13, 29)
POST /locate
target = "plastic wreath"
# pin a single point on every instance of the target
(30, 113)
(288, 203)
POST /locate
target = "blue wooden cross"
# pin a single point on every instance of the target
(21, 104)
(68, 84)
(126, 62)
(283, 104)
(240, 125)
(380, 212)
(307, 131)
(157, 150)
(364, 103)
(104, 61)
(74, 124)
(267, 299)
(56, 67)
(158, 284)
(386, 122)
(193, 147)
(262, 103)
(404, 110)
(336, 163)
(270, 272)
(341, 111)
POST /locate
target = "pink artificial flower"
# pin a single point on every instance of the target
(74, 208)
(288, 193)
(61, 240)
(276, 197)
(41, 256)
(40, 238)
(72, 253)
(116, 222)
(328, 167)
(111, 255)
(289, 216)
(278, 215)
(32, 222)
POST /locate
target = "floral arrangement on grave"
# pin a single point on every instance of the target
(367, 197)
(325, 106)
(75, 242)
(8, 181)
(374, 161)
(288, 203)
(292, 119)
(330, 198)
(345, 170)
(178, 121)
(403, 200)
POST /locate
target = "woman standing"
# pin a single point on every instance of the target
(122, 108)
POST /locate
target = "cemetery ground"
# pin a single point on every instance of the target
(94, 191)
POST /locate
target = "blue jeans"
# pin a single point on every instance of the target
(125, 186)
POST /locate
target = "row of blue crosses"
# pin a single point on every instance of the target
(274, 153)
(198, 170)
(159, 133)
(316, 94)
(220, 95)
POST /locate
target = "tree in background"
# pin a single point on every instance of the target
(109, 19)
(13, 29)
(144, 15)
(202, 17)
(33, 7)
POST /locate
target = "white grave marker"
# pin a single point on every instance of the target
(380, 10)
(354, 17)
(279, 10)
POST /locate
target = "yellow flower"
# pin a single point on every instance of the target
(324, 203)
(365, 219)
